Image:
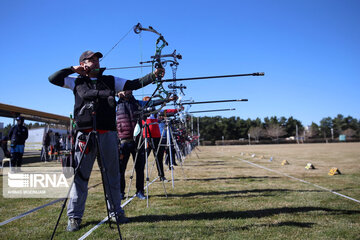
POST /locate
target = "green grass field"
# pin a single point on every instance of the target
(219, 196)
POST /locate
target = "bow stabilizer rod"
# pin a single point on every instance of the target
(208, 77)
(218, 101)
(215, 110)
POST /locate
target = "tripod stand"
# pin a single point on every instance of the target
(143, 145)
(84, 167)
(171, 145)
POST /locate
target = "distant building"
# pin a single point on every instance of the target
(342, 138)
(36, 135)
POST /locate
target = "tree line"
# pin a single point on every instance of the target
(235, 128)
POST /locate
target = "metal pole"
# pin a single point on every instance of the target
(198, 129)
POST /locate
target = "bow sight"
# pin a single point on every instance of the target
(174, 86)
(172, 55)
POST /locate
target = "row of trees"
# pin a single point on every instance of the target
(234, 128)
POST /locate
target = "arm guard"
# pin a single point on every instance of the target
(139, 82)
(58, 77)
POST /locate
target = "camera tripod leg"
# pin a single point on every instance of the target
(156, 159)
(107, 192)
(161, 179)
(147, 170)
(161, 171)
(139, 147)
(177, 150)
(105, 196)
(68, 194)
(170, 157)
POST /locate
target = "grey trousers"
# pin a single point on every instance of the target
(108, 143)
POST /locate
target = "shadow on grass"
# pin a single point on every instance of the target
(209, 163)
(31, 159)
(268, 212)
(230, 178)
(206, 165)
(280, 224)
(223, 193)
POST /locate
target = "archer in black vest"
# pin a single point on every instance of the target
(95, 92)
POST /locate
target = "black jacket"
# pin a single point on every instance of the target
(126, 117)
(100, 95)
(18, 135)
(128, 112)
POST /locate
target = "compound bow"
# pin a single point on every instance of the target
(158, 60)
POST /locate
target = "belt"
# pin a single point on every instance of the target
(88, 130)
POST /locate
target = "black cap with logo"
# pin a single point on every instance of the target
(88, 54)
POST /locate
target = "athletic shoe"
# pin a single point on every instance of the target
(121, 218)
(163, 179)
(140, 195)
(73, 224)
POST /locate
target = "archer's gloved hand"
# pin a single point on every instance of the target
(159, 72)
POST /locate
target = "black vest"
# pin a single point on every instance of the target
(105, 114)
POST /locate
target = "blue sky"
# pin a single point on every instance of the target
(309, 51)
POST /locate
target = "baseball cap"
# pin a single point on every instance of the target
(19, 118)
(88, 54)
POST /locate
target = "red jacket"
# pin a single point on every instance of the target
(154, 128)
